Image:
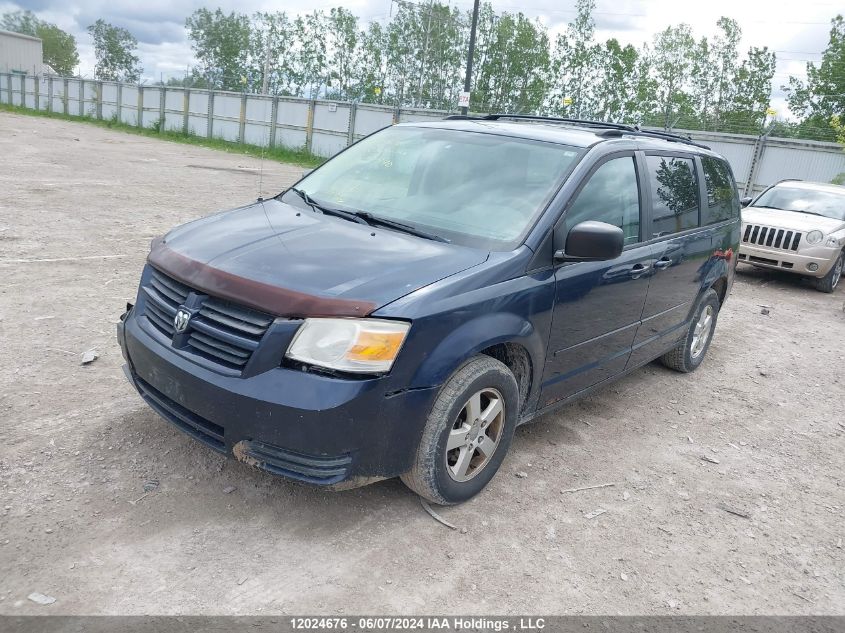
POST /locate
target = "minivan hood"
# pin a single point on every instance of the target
(792, 220)
(297, 263)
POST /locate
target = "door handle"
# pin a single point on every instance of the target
(663, 262)
(638, 270)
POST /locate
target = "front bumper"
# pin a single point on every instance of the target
(795, 262)
(305, 426)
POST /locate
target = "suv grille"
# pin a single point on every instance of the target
(220, 331)
(771, 237)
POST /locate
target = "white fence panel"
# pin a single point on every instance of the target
(415, 116)
(109, 97)
(198, 113)
(17, 92)
(227, 112)
(174, 109)
(58, 104)
(43, 90)
(29, 92)
(369, 119)
(151, 106)
(74, 86)
(324, 126)
(291, 121)
(129, 105)
(258, 113)
(800, 159)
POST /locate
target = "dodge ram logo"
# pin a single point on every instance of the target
(180, 321)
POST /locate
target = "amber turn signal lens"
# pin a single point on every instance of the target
(376, 346)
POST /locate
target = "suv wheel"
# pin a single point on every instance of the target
(468, 433)
(829, 282)
(691, 350)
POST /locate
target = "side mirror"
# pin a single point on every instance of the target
(592, 242)
(745, 201)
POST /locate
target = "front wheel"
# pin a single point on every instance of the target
(467, 434)
(829, 282)
(690, 351)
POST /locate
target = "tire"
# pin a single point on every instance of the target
(690, 351)
(436, 473)
(830, 281)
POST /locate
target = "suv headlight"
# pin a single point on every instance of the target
(814, 237)
(361, 346)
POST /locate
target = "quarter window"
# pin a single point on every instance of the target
(722, 198)
(611, 195)
(674, 194)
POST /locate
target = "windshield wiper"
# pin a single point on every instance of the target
(374, 220)
(363, 217)
(340, 213)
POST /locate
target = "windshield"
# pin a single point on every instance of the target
(480, 190)
(826, 203)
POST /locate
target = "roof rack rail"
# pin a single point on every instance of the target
(622, 128)
(555, 119)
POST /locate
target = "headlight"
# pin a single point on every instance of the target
(367, 346)
(814, 237)
(832, 242)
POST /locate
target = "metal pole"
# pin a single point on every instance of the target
(468, 79)
(265, 84)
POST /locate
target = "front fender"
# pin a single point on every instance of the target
(473, 336)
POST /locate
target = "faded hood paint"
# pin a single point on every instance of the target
(298, 263)
(791, 220)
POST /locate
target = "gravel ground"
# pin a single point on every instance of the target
(727, 492)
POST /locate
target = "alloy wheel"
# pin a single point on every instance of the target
(475, 434)
(701, 333)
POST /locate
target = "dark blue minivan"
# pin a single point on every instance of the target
(401, 309)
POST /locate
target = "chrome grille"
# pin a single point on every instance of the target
(220, 331)
(770, 237)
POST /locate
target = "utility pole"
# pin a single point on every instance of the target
(265, 85)
(418, 98)
(468, 80)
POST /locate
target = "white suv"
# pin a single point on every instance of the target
(798, 227)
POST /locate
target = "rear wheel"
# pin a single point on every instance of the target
(691, 350)
(829, 282)
(467, 434)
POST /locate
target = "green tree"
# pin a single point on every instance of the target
(822, 95)
(753, 79)
(58, 47)
(343, 46)
(575, 65)
(615, 91)
(221, 44)
(271, 41)
(514, 76)
(114, 48)
(672, 57)
(372, 68)
(309, 66)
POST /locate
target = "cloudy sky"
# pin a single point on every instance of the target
(797, 31)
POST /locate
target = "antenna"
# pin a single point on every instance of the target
(265, 141)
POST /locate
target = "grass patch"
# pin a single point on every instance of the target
(278, 154)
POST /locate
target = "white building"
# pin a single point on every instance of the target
(20, 54)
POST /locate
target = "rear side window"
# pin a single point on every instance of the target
(722, 197)
(611, 195)
(674, 194)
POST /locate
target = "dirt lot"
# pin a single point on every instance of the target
(78, 207)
